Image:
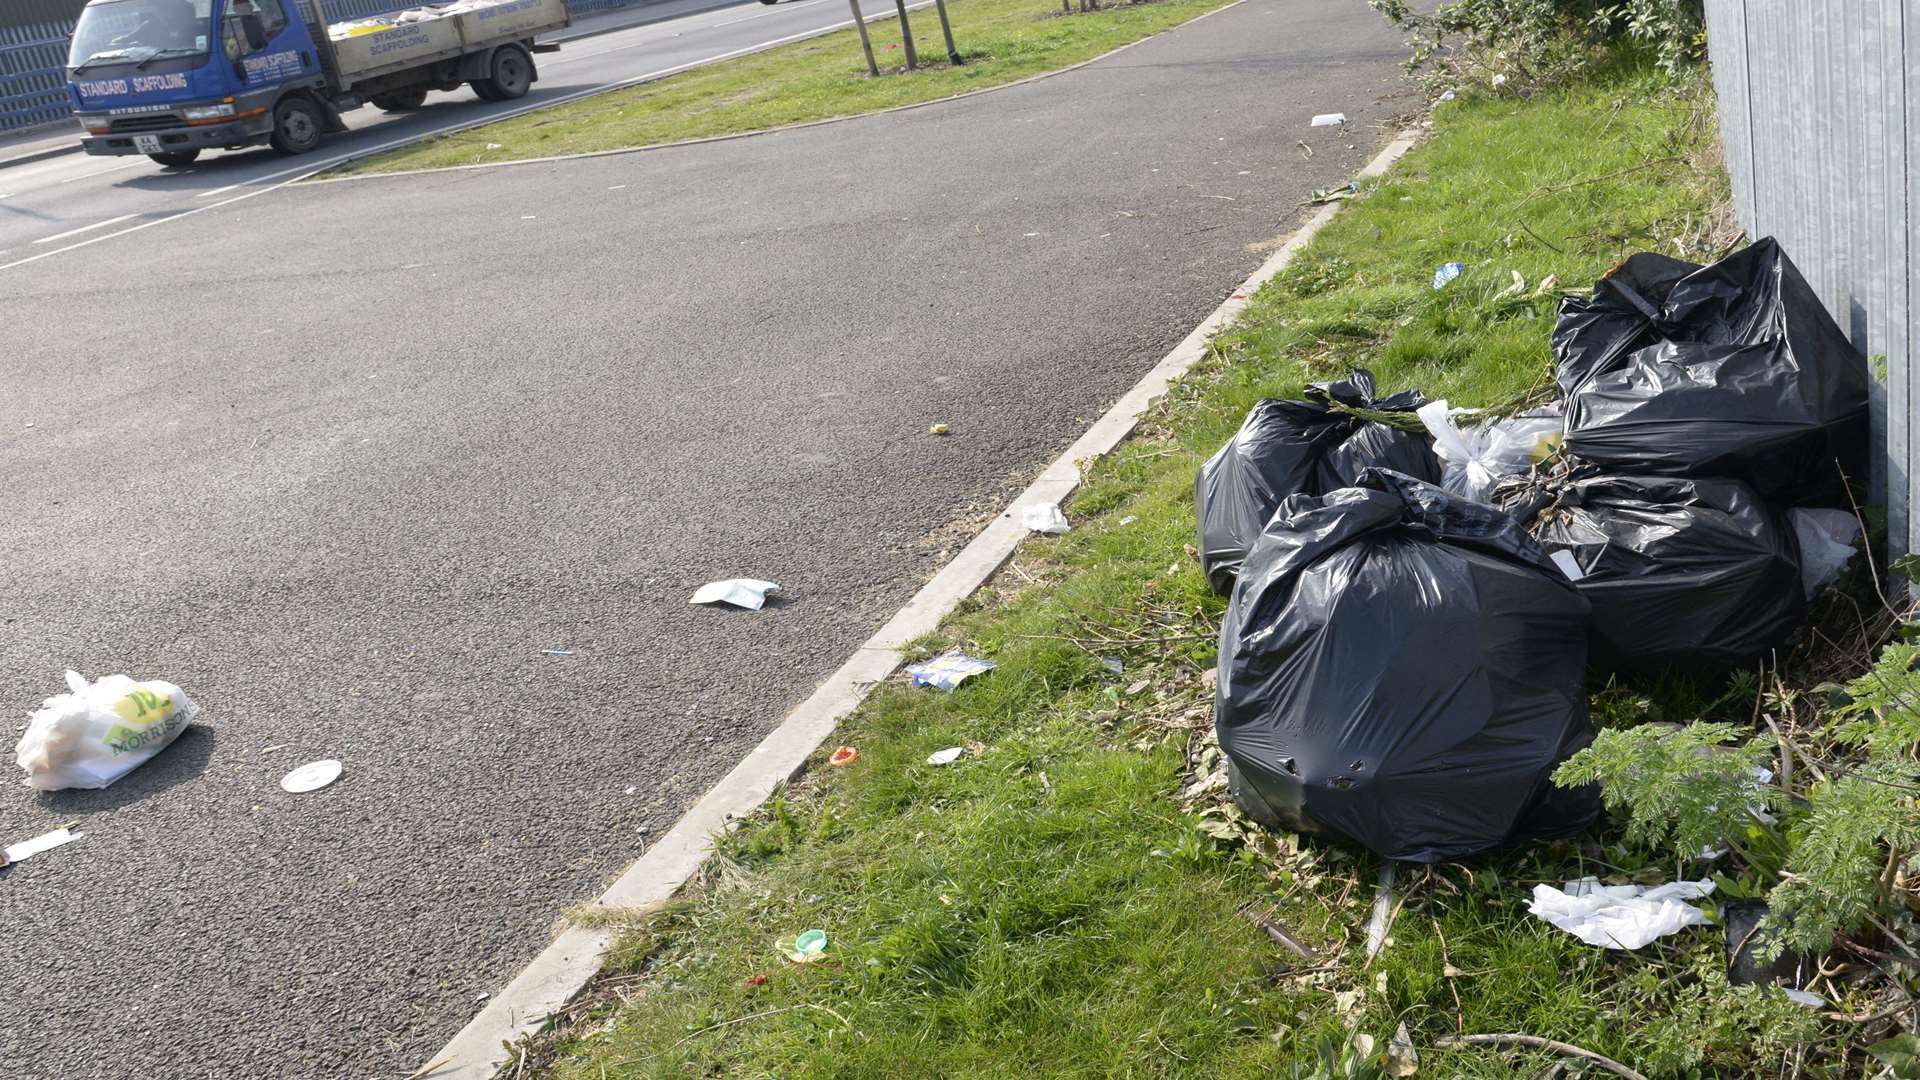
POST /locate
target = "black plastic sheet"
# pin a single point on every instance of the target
(1693, 574)
(1298, 447)
(1734, 369)
(1404, 667)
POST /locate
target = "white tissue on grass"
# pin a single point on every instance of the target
(748, 593)
(1620, 916)
(1827, 539)
(947, 670)
(1045, 518)
(945, 757)
(1802, 997)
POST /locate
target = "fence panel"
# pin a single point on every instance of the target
(1814, 114)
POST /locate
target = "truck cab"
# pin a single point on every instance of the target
(171, 78)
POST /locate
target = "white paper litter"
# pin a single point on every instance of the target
(945, 757)
(312, 776)
(1827, 539)
(748, 593)
(1568, 565)
(1332, 119)
(947, 670)
(44, 842)
(1620, 916)
(1045, 518)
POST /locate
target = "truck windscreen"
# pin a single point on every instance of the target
(136, 31)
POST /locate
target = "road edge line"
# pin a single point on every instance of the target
(565, 967)
(729, 137)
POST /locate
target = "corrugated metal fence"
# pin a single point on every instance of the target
(1814, 102)
(33, 50)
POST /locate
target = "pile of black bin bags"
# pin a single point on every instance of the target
(1405, 667)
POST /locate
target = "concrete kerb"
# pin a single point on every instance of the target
(565, 968)
(733, 135)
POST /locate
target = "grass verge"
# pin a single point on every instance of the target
(1000, 41)
(1068, 898)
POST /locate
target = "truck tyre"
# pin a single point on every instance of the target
(176, 159)
(401, 100)
(297, 126)
(511, 75)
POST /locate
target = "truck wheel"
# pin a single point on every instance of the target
(177, 159)
(401, 100)
(297, 126)
(511, 77)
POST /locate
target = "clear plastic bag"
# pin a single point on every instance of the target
(1473, 459)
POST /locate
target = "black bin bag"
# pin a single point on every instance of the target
(1734, 369)
(1298, 447)
(1405, 668)
(1693, 574)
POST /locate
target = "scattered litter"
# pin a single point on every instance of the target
(559, 652)
(1568, 565)
(1620, 916)
(754, 981)
(312, 776)
(937, 429)
(631, 788)
(1332, 119)
(845, 755)
(1448, 96)
(1447, 272)
(1139, 687)
(947, 670)
(1729, 370)
(1128, 520)
(805, 948)
(1475, 458)
(1114, 664)
(945, 757)
(1346, 191)
(1045, 518)
(1802, 997)
(1499, 80)
(1307, 447)
(1827, 539)
(44, 842)
(493, 146)
(98, 732)
(749, 593)
(1447, 594)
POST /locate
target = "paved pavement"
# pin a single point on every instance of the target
(346, 459)
(42, 202)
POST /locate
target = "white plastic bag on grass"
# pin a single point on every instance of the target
(1826, 540)
(98, 732)
(1473, 459)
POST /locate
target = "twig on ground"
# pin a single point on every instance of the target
(1884, 1013)
(1628, 171)
(1280, 935)
(1539, 1043)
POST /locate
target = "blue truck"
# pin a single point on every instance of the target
(172, 79)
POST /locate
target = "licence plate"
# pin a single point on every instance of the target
(148, 144)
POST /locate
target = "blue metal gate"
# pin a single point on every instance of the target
(33, 51)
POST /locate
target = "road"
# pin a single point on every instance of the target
(347, 460)
(77, 198)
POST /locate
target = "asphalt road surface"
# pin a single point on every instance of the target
(75, 198)
(346, 460)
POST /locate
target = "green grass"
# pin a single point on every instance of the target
(999, 40)
(1051, 905)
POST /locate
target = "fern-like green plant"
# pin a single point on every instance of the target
(1688, 788)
